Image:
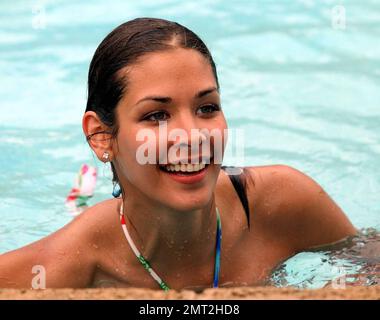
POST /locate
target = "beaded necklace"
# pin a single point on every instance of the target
(146, 263)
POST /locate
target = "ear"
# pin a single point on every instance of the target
(101, 143)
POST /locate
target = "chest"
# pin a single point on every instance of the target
(247, 262)
(248, 255)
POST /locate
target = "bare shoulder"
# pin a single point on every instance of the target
(89, 231)
(88, 227)
(292, 206)
(96, 221)
(67, 256)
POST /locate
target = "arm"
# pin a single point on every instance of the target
(16, 266)
(59, 260)
(301, 213)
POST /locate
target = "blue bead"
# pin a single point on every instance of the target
(116, 191)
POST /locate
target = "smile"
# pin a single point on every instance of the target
(185, 173)
(184, 168)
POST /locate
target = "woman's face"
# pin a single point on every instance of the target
(178, 75)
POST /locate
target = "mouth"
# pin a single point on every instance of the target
(183, 169)
(185, 173)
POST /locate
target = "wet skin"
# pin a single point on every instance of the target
(290, 213)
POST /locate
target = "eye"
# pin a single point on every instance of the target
(156, 116)
(208, 108)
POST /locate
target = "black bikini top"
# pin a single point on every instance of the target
(239, 183)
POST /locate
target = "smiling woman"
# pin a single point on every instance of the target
(171, 214)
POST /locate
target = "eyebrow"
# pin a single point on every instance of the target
(161, 99)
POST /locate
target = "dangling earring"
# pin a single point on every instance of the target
(116, 190)
(105, 156)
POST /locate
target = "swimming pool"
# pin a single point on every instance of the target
(301, 81)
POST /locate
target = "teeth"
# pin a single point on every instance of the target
(185, 167)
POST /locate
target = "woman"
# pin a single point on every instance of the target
(144, 73)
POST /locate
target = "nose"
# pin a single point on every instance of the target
(186, 134)
(189, 130)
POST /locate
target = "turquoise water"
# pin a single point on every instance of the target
(304, 89)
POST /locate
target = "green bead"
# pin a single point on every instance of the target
(164, 286)
(144, 262)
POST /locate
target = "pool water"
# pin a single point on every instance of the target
(298, 77)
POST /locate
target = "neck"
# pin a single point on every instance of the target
(169, 238)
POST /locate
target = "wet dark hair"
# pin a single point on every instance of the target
(123, 47)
